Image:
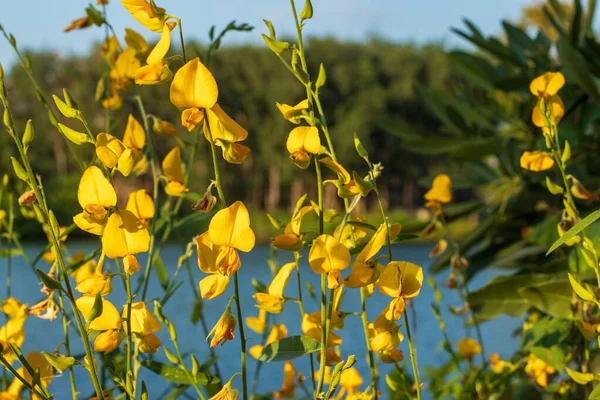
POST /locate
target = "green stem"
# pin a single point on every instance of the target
(155, 180)
(16, 374)
(187, 372)
(301, 305)
(129, 373)
(413, 357)
(365, 324)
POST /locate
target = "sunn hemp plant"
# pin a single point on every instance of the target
(348, 252)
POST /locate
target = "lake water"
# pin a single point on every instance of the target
(44, 335)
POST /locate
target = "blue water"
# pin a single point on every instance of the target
(44, 335)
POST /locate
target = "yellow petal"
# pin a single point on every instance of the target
(131, 264)
(328, 254)
(142, 320)
(223, 127)
(412, 279)
(287, 242)
(108, 341)
(336, 167)
(304, 138)
(231, 227)
(153, 74)
(194, 86)
(108, 149)
(147, 15)
(134, 136)
(213, 286)
(109, 319)
(256, 350)
(536, 161)
(468, 347)
(85, 223)
(296, 222)
(278, 283)
(258, 324)
(390, 281)
(124, 69)
(149, 343)
(269, 303)
(278, 332)
(294, 113)
(94, 188)
(191, 118)
(233, 153)
(547, 84)
(126, 162)
(162, 47)
(140, 204)
(175, 188)
(124, 235)
(172, 168)
(377, 241)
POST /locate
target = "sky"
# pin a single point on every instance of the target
(38, 24)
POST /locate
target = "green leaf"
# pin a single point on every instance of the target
(178, 375)
(49, 282)
(501, 296)
(61, 363)
(576, 65)
(553, 298)
(580, 290)
(96, 310)
(575, 230)
(580, 377)
(595, 395)
(289, 348)
(363, 225)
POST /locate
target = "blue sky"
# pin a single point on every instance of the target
(38, 24)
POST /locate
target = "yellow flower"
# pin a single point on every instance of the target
(291, 239)
(107, 341)
(258, 324)
(39, 363)
(401, 278)
(440, 192)
(191, 118)
(141, 205)
(468, 347)
(364, 270)
(498, 365)
(231, 227)
(546, 87)
(146, 14)
(114, 102)
(124, 235)
(214, 259)
(536, 161)
(227, 393)
(226, 133)
(278, 332)
(223, 330)
(294, 114)
(289, 378)
(351, 235)
(273, 300)
(194, 86)
(571, 242)
(14, 329)
(97, 283)
(157, 70)
(301, 143)
(95, 196)
(113, 153)
(110, 49)
(142, 321)
(124, 69)
(346, 185)
(350, 381)
(547, 84)
(539, 370)
(391, 356)
(173, 171)
(328, 255)
(108, 320)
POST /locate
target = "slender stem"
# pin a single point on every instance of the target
(301, 305)
(155, 180)
(65, 322)
(181, 41)
(413, 357)
(129, 373)
(365, 324)
(187, 372)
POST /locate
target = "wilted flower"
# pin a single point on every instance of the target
(223, 330)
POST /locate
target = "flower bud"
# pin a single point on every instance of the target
(107, 341)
